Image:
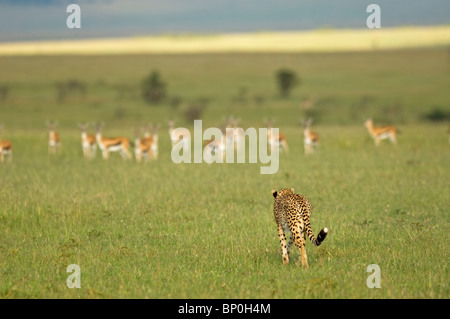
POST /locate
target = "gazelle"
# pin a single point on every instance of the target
(234, 135)
(381, 133)
(216, 146)
(5, 148)
(54, 142)
(310, 138)
(276, 140)
(176, 134)
(141, 148)
(112, 144)
(149, 143)
(88, 142)
(154, 142)
(238, 134)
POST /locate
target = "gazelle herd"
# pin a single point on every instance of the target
(146, 139)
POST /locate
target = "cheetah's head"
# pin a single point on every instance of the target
(282, 192)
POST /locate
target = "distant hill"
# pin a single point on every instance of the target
(324, 40)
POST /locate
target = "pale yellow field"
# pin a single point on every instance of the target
(287, 41)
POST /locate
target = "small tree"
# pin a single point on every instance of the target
(195, 109)
(287, 79)
(153, 88)
(69, 87)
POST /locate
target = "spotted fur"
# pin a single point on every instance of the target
(292, 214)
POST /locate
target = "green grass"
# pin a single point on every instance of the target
(163, 230)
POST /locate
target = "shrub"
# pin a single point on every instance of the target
(437, 115)
(286, 79)
(195, 109)
(153, 88)
(69, 87)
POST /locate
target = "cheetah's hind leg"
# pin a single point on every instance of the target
(291, 241)
(284, 249)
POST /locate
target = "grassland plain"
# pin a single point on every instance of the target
(163, 230)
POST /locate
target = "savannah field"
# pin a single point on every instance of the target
(166, 230)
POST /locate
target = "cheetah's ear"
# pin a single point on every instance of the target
(274, 193)
(292, 190)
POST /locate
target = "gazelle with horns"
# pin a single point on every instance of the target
(276, 140)
(147, 146)
(141, 147)
(310, 138)
(54, 142)
(216, 146)
(237, 135)
(177, 134)
(5, 148)
(112, 144)
(381, 133)
(154, 142)
(88, 141)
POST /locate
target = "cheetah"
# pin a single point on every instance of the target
(292, 213)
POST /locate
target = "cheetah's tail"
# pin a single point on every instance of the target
(320, 238)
